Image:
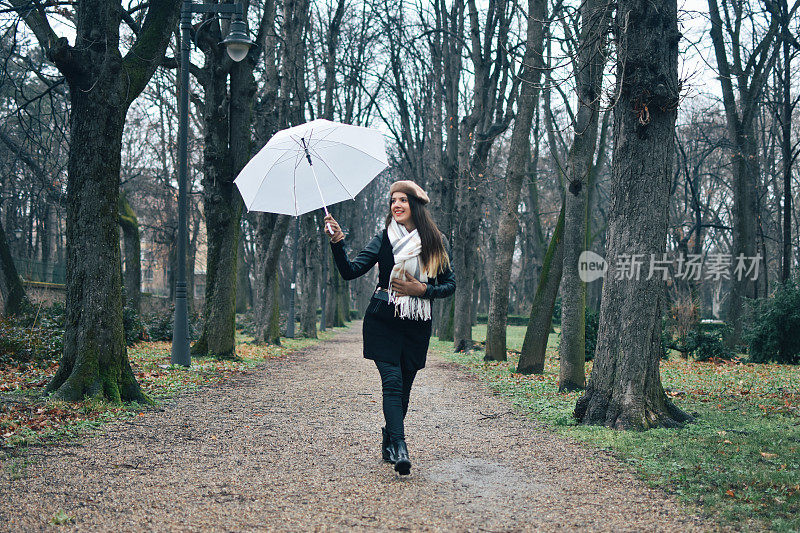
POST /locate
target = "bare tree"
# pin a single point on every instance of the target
(625, 391)
(749, 72)
(489, 116)
(588, 72)
(516, 170)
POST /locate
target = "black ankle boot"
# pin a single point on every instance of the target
(387, 450)
(402, 464)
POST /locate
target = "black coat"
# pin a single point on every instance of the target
(387, 337)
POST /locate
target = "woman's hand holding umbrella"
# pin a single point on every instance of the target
(332, 229)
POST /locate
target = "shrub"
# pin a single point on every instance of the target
(772, 331)
(21, 344)
(45, 317)
(245, 323)
(159, 326)
(134, 327)
(705, 345)
(557, 312)
(682, 320)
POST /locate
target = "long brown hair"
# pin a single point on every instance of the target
(433, 255)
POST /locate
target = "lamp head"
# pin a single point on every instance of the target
(238, 42)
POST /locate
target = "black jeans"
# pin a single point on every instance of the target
(396, 382)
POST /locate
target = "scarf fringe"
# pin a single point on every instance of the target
(410, 306)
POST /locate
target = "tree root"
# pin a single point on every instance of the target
(640, 414)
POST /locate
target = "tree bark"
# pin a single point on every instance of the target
(222, 204)
(516, 170)
(228, 123)
(133, 256)
(102, 85)
(310, 276)
(625, 391)
(11, 289)
(270, 233)
(589, 78)
(540, 323)
(244, 294)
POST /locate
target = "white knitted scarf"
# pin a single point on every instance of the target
(406, 248)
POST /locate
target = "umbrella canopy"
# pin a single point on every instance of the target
(310, 166)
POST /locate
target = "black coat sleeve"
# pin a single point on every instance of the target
(445, 285)
(363, 262)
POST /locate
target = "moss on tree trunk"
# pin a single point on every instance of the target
(95, 361)
(589, 76)
(540, 323)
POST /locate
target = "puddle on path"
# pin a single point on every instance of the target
(485, 479)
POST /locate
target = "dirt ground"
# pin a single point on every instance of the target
(295, 446)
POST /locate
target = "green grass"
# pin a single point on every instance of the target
(739, 461)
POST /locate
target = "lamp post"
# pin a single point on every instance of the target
(237, 43)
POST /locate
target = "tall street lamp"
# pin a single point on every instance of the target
(237, 43)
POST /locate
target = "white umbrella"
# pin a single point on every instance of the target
(311, 166)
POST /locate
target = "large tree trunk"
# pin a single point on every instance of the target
(464, 234)
(624, 390)
(244, 294)
(310, 276)
(745, 226)
(102, 86)
(270, 233)
(95, 360)
(518, 161)
(133, 261)
(589, 78)
(226, 151)
(223, 209)
(222, 206)
(12, 291)
(337, 287)
(540, 323)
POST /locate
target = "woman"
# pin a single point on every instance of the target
(413, 269)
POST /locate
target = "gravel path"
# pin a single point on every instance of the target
(294, 446)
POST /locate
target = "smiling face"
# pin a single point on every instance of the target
(401, 210)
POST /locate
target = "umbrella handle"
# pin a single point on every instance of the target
(327, 224)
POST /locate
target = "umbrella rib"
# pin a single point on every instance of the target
(294, 184)
(354, 148)
(264, 179)
(334, 174)
(330, 130)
